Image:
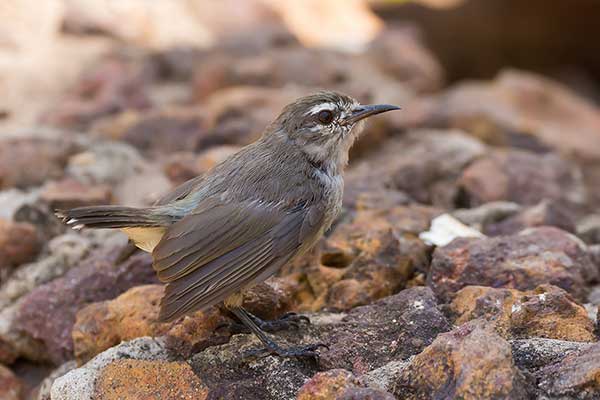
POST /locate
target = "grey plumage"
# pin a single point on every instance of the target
(218, 234)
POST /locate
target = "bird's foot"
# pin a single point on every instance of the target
(287, 321)
(306, 351)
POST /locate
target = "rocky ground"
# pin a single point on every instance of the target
(509, 313)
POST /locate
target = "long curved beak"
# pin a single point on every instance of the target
(362, 112)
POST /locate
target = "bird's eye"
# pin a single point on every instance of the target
(325, 116)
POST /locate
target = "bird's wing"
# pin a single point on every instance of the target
(222, 247)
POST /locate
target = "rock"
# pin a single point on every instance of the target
(136, 379)
(486, 214)
(366, 338)
(338, 384)
(159, 131)
(19, 243)
(64, 252)
(522, 177)
(114, 84)
(69, 193)
(431, 163)
(533, 257)
(575, 376)
(42, 217)
(11, 387)
(445, 228)
(183, 166)
(546, 311)
(400, 53)
(44, 388)
(29, 161)
(370, 257)
(535, 353)
(80, 382)
(524, 110)
(134, 181)
(134, 314)
(470, 362)
(47, 313)
(13, 199)
(588, 229)
(546, 213)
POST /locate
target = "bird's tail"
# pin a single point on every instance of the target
(113, 217)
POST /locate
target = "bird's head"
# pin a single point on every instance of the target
(324, 125)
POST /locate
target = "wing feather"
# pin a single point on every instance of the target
(221, 248)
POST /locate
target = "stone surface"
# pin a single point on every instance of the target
(522, 177)
(546, 213)
(370, 257)
(546, 311)
(19, 243)
(139, 379)
(523, 110)
(338, 384)
(588, 229)
(29, 161)
(47, 313)
(535, 353)
(69, 193)
(470, 362)
(524, 261)
(133, 314)
(575, 376)
(11, 388)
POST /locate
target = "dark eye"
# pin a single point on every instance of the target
(325, 117)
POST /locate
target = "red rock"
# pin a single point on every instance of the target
(69, 193)
(547, 213)
(19, 243)
(47, 313)
(26, 162)
(339, 384)
(524, 261)
(471, 362)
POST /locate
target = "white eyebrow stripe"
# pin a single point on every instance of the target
(320, 107)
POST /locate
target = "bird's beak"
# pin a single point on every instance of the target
(362, 112)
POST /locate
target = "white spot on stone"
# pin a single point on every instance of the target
(445, 229)
(418, 304)
(542, 297)
(515, 308)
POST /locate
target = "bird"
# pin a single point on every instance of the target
(218, 234)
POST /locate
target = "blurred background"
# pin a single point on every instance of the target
(116, 101)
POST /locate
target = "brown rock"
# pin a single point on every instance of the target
(183, 166)
(547, 213)
(339, 384)
(522, 177)
(11, 387)
(400, 53)
(19, 243)
(134, 314)
(69, 193)
(29, 161)
(546, 311)
(370, 257)
(522, 109)
(524, 261)
(470, 362)
(47, 313)
(160, 131)
(141, 379)
(114, 84)
(431, 163)
(576, 376)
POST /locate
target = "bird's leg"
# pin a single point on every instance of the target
(289, 320)
(272, 347)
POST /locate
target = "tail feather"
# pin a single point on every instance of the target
(112, 217)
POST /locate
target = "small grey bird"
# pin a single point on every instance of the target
(221, 233)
